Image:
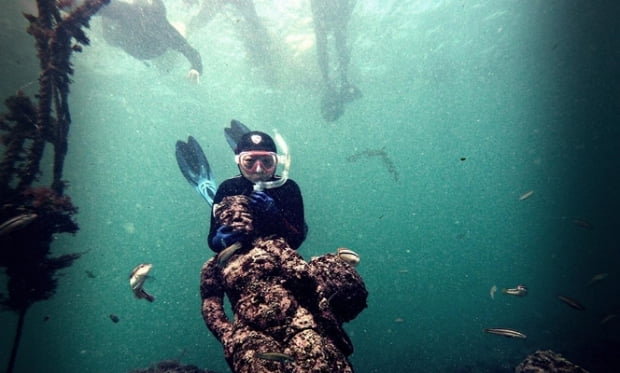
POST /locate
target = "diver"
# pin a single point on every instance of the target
(287, 314)
(141, 29)
(278, 209)
(253, 33)
(332, 17)
(275, 201)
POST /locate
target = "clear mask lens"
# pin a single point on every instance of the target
(258, 161)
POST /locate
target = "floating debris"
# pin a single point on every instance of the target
(114, 318)
(572, 303)
(129, 227)
(380, 153)
(519, 291)
(493, 291)
(90, 274)
(526, 195)
(511, 333)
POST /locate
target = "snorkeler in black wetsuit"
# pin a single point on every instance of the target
(332, 17)
(253, 33)
(277, 211)
(142, 30)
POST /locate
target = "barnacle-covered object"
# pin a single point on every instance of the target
(284, 318)
(547, 361)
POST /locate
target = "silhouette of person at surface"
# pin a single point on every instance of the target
(254, 34)
(332, 17)
(141, 29)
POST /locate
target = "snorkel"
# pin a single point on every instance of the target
(284, 159)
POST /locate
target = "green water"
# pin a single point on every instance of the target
(475, 103)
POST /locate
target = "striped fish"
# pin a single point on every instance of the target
(225, 254)
(511, 333)
(275, 356)
(16, 223)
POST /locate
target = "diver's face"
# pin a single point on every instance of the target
(257, 176)
(257, 165)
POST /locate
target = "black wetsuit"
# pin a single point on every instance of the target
(290, 225)
(142, 30)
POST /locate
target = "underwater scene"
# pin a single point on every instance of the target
(462, 155)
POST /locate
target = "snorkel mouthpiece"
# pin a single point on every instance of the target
(284, 159)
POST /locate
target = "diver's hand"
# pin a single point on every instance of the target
(226, 236)
(194, 76)
(263, 206)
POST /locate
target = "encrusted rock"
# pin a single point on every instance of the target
(288, 313)
(171, 366)
(547, 361)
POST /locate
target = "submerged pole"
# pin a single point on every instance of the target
(18, 336)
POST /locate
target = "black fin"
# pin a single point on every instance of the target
(192, 161)
(235, 132)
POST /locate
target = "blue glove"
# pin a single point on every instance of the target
(263, 206)
(226, 236)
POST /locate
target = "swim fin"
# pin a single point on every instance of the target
(332, 106)
(234, 133)
(349, 93)
(195, 167)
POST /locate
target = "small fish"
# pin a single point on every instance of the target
(331, 297)
(572, 303)
(608, 318)
(492, 291)
(519, 291)
(596, 278)
(90, 274)
(16, 223)
(225, 254)
(136, 281)
(583, 224)
(505, 332)
(114, 318)
(526, 195)
(275, 356)
(349, 256)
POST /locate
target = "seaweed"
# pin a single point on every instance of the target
(31, 214)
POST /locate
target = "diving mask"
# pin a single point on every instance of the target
(257, 161)
(283, 159)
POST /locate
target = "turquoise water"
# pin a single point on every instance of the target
(475, 103)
